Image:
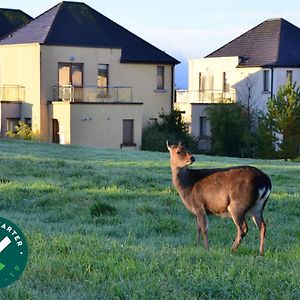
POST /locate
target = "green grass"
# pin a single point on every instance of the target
(107, 224)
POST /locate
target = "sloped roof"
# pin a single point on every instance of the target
(10, 19)
(273, 43)
(77, 24)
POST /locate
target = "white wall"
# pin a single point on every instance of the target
(20, 65)
(101, 125)
(239, 78)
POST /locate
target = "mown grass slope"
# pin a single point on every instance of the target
(107, 224)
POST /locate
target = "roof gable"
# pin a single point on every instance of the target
(10, 19)
(273, 43)
(77, 24)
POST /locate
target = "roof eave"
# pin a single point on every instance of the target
(157, 62)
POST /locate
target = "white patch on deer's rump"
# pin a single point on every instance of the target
(263, 195)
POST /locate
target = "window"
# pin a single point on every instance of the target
(203, 127)
(128, 132)
(11, 124)
(266, 81)
(289, 76)
(102, 80)
(226, 85)
(200, 82)
(211, 82)
(160, 84)
(70, 74)
(27, 121)
(102, 75)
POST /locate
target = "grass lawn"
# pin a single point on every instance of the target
(108, 224)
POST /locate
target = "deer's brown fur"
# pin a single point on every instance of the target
(235, 192)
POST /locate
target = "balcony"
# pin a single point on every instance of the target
(12, 93)
(206, 97)
(94, 94)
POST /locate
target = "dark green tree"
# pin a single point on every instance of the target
(230, 133)
(283, 120)
(169, 127)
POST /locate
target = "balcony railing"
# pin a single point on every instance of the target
(72, 93)
(207, 96)
(12, 93)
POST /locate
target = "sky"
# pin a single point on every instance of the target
(184, 29)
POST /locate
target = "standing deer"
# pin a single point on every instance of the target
(235, 192)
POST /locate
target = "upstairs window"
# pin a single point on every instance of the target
(70, 74)
(102, 80)
(102, 75)
(266, 81)
(160, 78)
(226, 85)
(200, 82)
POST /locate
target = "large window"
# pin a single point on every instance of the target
(128, 127)
(266, 81)
(70, 74)
(160, 83)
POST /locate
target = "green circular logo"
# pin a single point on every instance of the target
(13, 252)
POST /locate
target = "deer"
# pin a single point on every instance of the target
(235, 192)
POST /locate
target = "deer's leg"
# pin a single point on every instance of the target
(202, 227)
(241, 226)
(260, 223)
(245, 228)
(198, 234)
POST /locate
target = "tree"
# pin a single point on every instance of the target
(170, 127)
(247, 95)
(283, 120)
(22, 131)
(229, 129)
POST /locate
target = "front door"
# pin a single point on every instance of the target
(55, 131)
(70, 81)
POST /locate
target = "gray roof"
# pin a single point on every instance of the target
(77, 24)
(273, 43)
(10, 19)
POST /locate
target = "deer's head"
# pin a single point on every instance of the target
(180, 156)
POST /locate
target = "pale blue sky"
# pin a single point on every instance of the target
(184, 29)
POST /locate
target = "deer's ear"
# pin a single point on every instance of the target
(180, 143)
(168, 146)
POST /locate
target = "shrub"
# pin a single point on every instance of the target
(23, 131)
(264, 140)
(171, 127)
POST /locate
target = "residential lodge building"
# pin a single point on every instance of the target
(79, 78)
(248, 69)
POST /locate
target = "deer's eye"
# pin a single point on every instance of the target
(181, 153)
